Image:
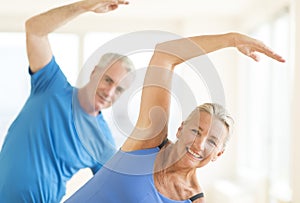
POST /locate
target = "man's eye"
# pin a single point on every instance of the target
(120, 90)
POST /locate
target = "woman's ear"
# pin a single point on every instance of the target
(218, 155)
(179, 130)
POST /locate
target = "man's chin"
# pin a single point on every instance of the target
(101, 107)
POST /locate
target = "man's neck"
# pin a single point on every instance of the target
(84, 101)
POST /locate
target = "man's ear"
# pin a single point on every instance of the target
(92, 73)
(218, 155)
(179, 130)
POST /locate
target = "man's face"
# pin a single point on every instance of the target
(113, 82)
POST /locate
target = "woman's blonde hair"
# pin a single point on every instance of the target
(217, 111)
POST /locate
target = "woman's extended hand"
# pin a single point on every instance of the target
(250, 47)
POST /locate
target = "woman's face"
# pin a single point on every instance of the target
(201, 139)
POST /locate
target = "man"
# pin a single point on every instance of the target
(45, 145)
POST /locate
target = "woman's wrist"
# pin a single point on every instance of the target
(232, 39)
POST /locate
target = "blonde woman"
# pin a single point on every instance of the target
(148, 168)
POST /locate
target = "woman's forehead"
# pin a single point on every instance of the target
(207, 122)
(200, 118)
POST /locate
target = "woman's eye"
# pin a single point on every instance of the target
(212, 142)
(196, 132)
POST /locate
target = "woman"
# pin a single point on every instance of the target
(148, 168)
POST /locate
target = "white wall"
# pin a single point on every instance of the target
(295, 138)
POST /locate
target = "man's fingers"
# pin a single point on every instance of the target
(123, 2)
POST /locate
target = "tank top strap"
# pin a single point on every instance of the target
(163, 143)
(197, 196)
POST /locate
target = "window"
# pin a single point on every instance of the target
(65, 48)
(264, 136)
(14, 83)
(14, 77)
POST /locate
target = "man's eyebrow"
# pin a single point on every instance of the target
(108, 77)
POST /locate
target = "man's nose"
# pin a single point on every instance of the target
(110, 91)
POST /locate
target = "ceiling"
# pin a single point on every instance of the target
(13, 13)
(136, 8)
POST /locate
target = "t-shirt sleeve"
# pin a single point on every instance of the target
(96, 168)
(49, 78)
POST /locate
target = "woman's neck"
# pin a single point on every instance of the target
(171, 179)
(168, 162)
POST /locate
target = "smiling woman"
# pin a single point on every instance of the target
(148, 168)
(203, 134)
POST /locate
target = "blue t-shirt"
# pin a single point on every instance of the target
(127, 177)
(46, 144)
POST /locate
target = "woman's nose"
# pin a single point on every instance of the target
(199, 143)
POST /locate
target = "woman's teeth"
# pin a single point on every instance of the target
(196, 155)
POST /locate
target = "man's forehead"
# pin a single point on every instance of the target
(122, 78)
(115, 67)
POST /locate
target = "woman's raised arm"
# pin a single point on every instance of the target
(151, 127)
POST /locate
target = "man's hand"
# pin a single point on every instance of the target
(103, 6)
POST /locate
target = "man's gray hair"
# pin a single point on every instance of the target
(110, 58)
